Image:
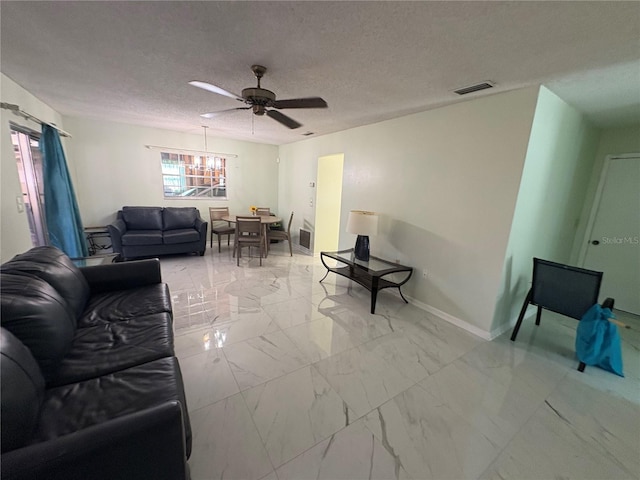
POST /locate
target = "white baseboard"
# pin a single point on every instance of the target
(478, 332)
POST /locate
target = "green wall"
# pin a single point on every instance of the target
(558, 167)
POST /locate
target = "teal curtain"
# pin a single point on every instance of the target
(61, 209)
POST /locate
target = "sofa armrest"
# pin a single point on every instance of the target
(201, 226)
(116, 230)
(146, 444)
(120, 276)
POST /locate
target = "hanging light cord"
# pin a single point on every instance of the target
(204, 127)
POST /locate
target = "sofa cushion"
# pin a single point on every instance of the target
(142, 218)
(119, 305)
(110, 347)
(175, 218)
(172, 237)
(22, 391)
(56, 268)
(142, 237)
(41, 319)
(74, 407)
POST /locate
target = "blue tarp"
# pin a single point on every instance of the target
(598, 341)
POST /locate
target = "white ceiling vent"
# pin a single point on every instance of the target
(474, 88)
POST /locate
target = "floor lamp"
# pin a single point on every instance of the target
(363, 224)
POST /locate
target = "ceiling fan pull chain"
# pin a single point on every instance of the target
(204, 127)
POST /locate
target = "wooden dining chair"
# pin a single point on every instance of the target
(283, 235)
(263, 211)
(218, 226)
(248, 233)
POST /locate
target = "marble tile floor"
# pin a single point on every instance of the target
(290, 379)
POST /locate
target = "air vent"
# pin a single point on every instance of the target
(474, 88)
(305, 238)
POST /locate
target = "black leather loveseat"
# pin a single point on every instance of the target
(152, 231)
(91, 388)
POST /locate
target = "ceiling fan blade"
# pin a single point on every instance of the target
(215, 114)
(283, 119)
(310, 102)
(214, 89)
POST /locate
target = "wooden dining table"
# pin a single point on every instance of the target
(265, 221)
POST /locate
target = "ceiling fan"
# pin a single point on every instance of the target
(261, 100)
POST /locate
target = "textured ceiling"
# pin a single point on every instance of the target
(131, 61)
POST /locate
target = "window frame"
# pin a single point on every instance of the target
(214, 169)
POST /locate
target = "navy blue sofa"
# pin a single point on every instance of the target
(153, 231)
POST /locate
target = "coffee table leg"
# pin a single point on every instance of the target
(405, 300)
(374, 294)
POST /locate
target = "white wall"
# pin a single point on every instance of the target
(14, 227)
(445, 183)
(114, 169)
(558, 165)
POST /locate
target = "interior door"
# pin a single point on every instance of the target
(614, 243)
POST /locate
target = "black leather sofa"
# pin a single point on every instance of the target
(152, 231)
(91, 388)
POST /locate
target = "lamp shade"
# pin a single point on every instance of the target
(361, 222)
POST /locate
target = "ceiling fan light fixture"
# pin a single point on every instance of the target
(260, 99)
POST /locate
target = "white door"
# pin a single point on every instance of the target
(614, 243)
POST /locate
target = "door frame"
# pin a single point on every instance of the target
(31, 186)
(596, 202)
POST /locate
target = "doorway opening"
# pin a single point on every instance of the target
(26, 148)
(328, 203)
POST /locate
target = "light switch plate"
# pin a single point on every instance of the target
(20, 203)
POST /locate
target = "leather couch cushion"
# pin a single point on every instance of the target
(56, 268)
(126, 304)
(22, 387)
(41, 319)
(110, 347)
(74, 407)
(175, 218)
(142, 218)
(171, 237)
(142, 237)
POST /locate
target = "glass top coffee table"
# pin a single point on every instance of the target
(368, 274)
(94, 260)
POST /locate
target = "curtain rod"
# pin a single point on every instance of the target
(156, 147)
(16, 110)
